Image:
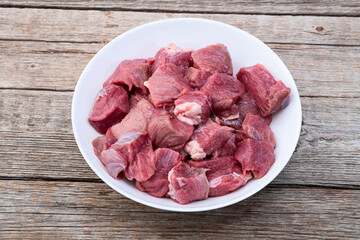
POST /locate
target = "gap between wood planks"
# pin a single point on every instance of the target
(158, 10)
(98, 180)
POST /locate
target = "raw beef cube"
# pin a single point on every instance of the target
(255, 156)
(173, 54)
(196, 77)
(223, 173)
(206, 139)
(168, 132)
(192, 107)
(214, 59)
(136, 97)
(102, 143)
(228, 149)
(223, 90)
(110, 107)
(158, 184)
(187, 184)
(166, 84)
(132, 73)
(254, 127)
(270, 96)
(133, 154)
(136, 120)
(246, 105)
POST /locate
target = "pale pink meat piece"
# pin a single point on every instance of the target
(174, 55)
(254, 127)
(255, 156)
(214, 59)
(166, 84)
(136, 120)
(158, 184)
(110, 107)
(223, 90)
(187, 184)
(132, 73)
(270, 95)
(192, 107)
(223, 173)
(206, 139)
(196, 77)
(133, 154)
(167, 131)
(102, 143)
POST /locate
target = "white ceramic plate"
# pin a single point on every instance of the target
(143, 42)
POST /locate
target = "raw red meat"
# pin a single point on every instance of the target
(136, 97)
(102, 143)
(246, 105)
(166, 131)
(214, 59)
(254, 127)
(136, 120)
(223, 173)
(158, 184)
(228, 149)
(270, 95)
(187, 184)
(222, 90)
(206, 139)
(133, 154)
(166, 84)
(173, 54)
(255, 156)
(132, 73)
(192, 107)
(196, 77)
(110, 107)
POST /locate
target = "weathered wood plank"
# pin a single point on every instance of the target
(322, 7)
(35, 209)
(36, 140)
(318, 70)
(58, 25)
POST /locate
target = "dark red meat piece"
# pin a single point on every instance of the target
(254, 127)
(110, 107)
(255, 156)
(158, 184)
(187, 184)
(196, 77)
(133, 154)
(102, 143)
(223, 90)
(173, 54)
(223, 173)
(246, 105)
(206, 139)
(136, 120)
(132, 73)
(192, 107)
(168, 132)
(270, 95)
(166, 84)
(228, 149)
(214, 59)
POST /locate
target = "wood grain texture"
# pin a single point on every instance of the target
(37, 140)
(317, 70)
(98, 26)
(322, 7)
(63, 210)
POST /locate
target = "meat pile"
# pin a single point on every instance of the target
(183, 127)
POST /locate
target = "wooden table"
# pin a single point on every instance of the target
(47, 189)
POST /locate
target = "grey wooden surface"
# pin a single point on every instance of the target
(48, 191)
